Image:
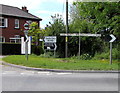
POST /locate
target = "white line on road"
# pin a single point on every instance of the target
(63, 73)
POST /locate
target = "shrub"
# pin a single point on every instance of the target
(37, 50)
(11, 49)
(106, 55)
(49, 55)
(83, 57)
(15, 49)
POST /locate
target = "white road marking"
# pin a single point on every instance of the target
(9, 72)
(34, 73)
(27, 73)
(43, 72)
(63, 73)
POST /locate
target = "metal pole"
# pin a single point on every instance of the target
(66, 41)
(110, 52)
(54, 53)
(79, 45)
(26, 50)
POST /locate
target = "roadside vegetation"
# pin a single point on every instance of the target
(85, 17)
(61, 63)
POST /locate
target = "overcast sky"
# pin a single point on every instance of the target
(41, 8)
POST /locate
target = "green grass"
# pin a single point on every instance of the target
(61, 63)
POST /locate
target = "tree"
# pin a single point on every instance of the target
(92, 17)
(36, 32)
(54, 29)
(101, 14)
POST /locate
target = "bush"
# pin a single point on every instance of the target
(37, 50)
(106, 55)
(49, 55)
(83, 57)
(15, 49)
(11, 49)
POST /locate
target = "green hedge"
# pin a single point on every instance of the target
(15, 49)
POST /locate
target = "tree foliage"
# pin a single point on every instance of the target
(92, 17)
(54, 29)
(36, 32)
(98, 15)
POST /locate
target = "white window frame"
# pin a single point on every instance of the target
(5, 22)
(17, 23)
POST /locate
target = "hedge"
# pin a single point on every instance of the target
(15, 49)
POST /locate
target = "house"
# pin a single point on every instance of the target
(12, 20)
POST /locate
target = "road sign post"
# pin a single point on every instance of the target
(110, 52)
(79, 46)
(112, 40)
(26, 27)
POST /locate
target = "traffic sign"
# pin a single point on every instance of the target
(26, 26)
(50, 46)
(50, 39)
(113, 38)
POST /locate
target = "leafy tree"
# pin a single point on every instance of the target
(36, 32)
(54, 29)
(92, 17)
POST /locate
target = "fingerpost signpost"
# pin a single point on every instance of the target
(111, 37)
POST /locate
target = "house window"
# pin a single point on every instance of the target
(3, 22)
(16, 23)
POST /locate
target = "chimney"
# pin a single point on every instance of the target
(24, 8)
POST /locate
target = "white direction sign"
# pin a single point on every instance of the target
(80, 34)
(23, 45)
(50, 39)
(113, 38)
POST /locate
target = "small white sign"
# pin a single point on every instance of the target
(40, 39)
(23, 46)
(50, 39)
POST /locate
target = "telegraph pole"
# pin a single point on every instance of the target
(66, 38)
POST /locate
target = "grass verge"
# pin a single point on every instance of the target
(61, 63)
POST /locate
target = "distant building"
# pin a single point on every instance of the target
(12, 21)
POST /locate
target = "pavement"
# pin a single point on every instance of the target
(58, 70)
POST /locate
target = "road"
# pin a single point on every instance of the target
(14, 79)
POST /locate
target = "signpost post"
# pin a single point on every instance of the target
(26, 27)
(112, 40)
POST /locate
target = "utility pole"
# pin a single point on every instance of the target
(66, 38)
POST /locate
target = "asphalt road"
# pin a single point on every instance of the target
(14, 79)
